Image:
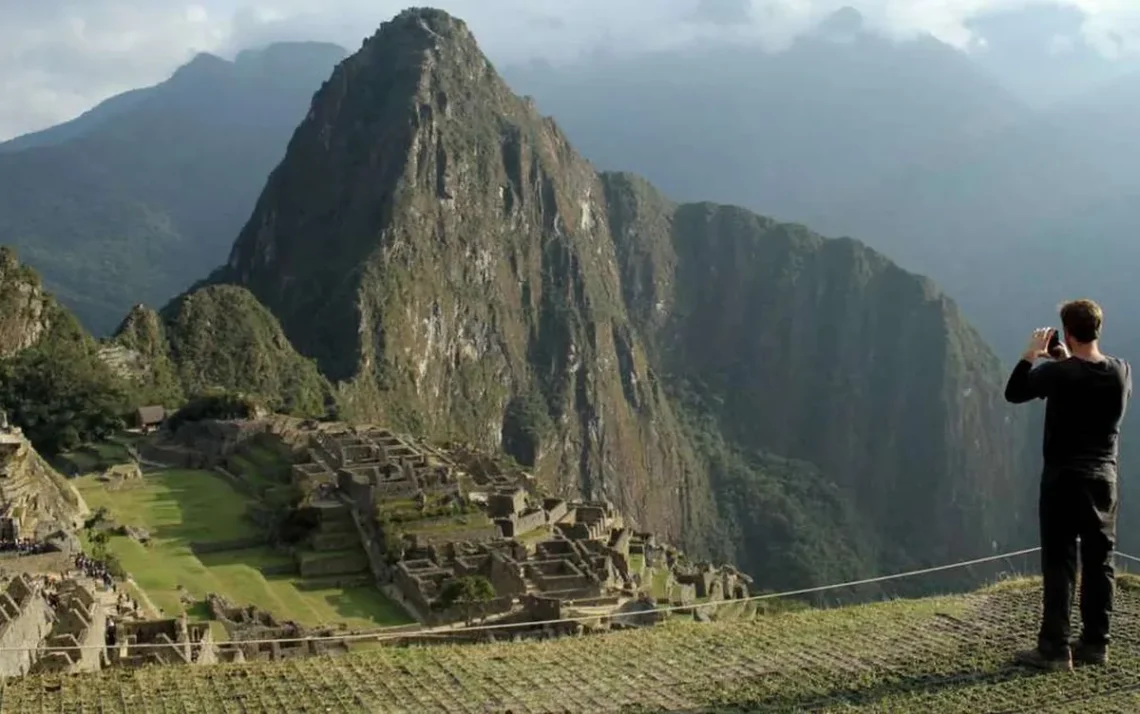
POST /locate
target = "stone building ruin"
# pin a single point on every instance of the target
(75, 643)
(170, 641)
(255, 634)
(25, 621)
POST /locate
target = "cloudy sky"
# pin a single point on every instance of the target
(60, 57)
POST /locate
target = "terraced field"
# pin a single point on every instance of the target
(936, 655)
(179, 508)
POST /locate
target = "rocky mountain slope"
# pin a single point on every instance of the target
(143, 195)
(28, 311)
(448, 259)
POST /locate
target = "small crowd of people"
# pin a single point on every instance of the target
(24, 546)
(96, 570)
(125, 605)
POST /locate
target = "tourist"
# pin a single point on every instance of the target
(1086, 394)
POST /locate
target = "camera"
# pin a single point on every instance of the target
(1054, 348)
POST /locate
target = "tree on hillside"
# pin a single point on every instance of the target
(62, 397)
(469, 592)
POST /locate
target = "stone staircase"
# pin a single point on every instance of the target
(333, 553)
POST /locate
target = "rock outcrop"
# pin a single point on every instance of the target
(26, 310)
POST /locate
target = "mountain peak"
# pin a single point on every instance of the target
(416, 32)
(450, 262)
(202, 62)
(284, 55)
(433, 21)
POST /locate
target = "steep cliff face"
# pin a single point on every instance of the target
(823, 350)
(450, 261)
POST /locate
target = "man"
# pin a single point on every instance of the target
(1086, 393)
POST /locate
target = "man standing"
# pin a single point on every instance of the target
(1086, 393)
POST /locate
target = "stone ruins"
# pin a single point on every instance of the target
(429, 516)
(65, 625)
(414, 519)
(256, 634)
(35, 501)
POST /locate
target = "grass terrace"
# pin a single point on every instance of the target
(180, 507)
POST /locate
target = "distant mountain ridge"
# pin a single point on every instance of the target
(136, 199)
(783, 133)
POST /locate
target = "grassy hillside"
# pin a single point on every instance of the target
(941, 655)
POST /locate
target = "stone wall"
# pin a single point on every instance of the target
(24, 623)
(80, 625)
(171, 641)
(505, 575)
(556, 509)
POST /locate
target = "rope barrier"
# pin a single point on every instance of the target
(399, 631)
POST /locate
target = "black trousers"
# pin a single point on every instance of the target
(1072, 506)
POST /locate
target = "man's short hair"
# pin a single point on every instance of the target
(1082, 320)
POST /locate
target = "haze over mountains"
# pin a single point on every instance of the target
(139, 197)
(452, 265)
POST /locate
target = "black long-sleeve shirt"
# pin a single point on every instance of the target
(1084, 407)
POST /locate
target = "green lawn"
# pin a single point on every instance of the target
(179, 507)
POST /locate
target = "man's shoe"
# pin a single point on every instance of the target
(1061, 662)
(1089, 654)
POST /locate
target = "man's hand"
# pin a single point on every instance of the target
(1038, 344)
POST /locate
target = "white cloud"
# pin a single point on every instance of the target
(59, 57)
(1061, 44)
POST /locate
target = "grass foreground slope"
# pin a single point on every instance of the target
(946, 654)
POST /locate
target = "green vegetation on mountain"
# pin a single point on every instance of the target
(64, 388)
(136, 200)
(796, 341)
(52, 382)
(741, 385)
(221, 337)
(141, 351)
(778, 519)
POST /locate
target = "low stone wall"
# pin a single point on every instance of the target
(281, 569)
(336, 565)
(222, 546)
